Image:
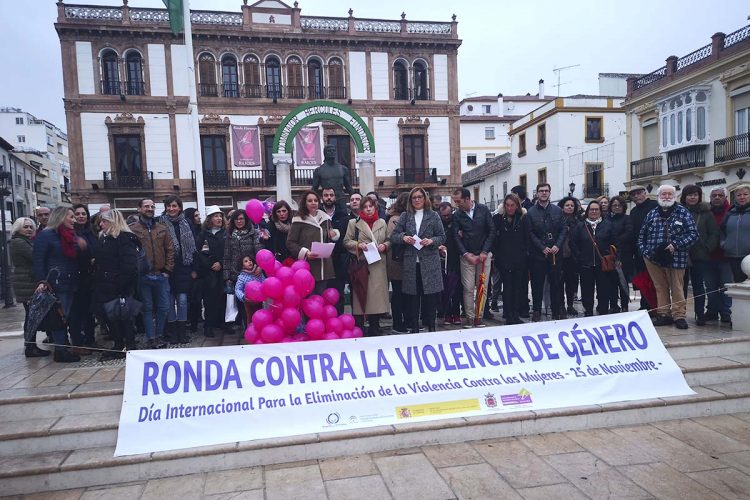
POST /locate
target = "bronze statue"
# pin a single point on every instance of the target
(334, 175)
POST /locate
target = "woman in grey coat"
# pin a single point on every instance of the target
(422, 280)
(23, 276)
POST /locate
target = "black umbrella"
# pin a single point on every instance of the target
(42, 315)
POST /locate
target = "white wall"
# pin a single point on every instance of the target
(474, 143)
(379, 76)
(387, 154)
(440, 72)
(439, 145)
(157, 68)
(358, 75)
(158, 146)
(85, 68)
(95, 146)
(184, 146)
(180, 79)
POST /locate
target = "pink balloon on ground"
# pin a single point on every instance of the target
(357, 331)
(287, 339)
(312, 309)
(262, 318)
(271, 334)
(334, 325)
(347, 334)
(300, 337)
(315, 328)
(291, 317)
(331, 336)
(330, 311)
(251, 335)
(331, 296)
(273, 287)
(348, 321)
(254, 291)
(254, 211)
(317, 298)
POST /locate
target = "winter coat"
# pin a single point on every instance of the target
(719, 214)
(340, 222)
(157, 244)
(393, 267)
(305, 230)
(571, 221)
(215, 254)
(48, 256)
(115, 267)
(735, 232)
(583, 249)
(545, 228)
(622, 228)
(181, 279)
(277, 243)
(377, 284)
(510, 241)
(474, 234)
(85, 258)
(637, 216)
(22, 278)
(708, 232)
(454, 254)
(678, 229)
(236, 246)
(429, 257)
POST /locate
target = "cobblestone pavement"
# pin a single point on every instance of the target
(702, 458)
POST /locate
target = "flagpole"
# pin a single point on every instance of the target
(197, 164)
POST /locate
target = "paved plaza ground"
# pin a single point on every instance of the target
(696, 458)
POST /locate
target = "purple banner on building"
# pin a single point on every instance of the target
(246, 145)
(307, 148)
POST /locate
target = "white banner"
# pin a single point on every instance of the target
(182, 398)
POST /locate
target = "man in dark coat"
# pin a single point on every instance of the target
(474, 233)
(340, 221)
(718, 271)
(643, 205)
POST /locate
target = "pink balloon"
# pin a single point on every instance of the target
(316, 329)
(287, 339)
(320, 300)
(254, 291)
(291, 317)
(251, 334)
(273, 287)
(347, 320)
(331, 336)
(357, 331)
(291, 297)
(300, 264)
(313, 309)
(300, 337)
(334, 325)
(346, 334)
(286, 275)
(262, 318)
(276, 266)
(254, 210)
(330, 311)
(272, 333)
(304, 282)
(331, 296)
(264, 258)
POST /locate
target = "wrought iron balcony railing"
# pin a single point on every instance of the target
(416, 176)
(316, 92)
(136, 88)
(595, 190)
(230, 90)
(732, 148)
(111, 87)
(295, 92)
(253, 91)
(645, 167)
(685, 158)
(336, 92)
(273, 90)
(208, 89)
(116, 180)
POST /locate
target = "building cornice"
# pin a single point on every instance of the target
(562, 109)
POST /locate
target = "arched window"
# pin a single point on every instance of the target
(421, 89)
(134, 73)
(295, 87)
(273, 78)
(110, 73)
(336, 86)
(252, 77)
(315, 89)
(207, 75)
(230, 84)
(400, 81)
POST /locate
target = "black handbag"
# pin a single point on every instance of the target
(122, 308)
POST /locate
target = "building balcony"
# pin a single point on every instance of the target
(135, 88)
(595, 190)
(686, 158)
(732, 148)
(118, 181)
(295, 92)
(230, 90)
(252, 91)
(111, 87)
(208, 90)
(646, 167)
(416, 176)
(256, 178)
(410, 94)
(336, 92)
(273, 91)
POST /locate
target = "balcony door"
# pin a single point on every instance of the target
(413, 161)
(214, 158)
(128, 160)
(268, 167)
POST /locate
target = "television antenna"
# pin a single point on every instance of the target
(557, 71)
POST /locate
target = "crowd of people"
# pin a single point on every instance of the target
(426, 261)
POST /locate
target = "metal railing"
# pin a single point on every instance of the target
(230, 90)
(316, 92)
(273, 90)
(295, 92)
(401, 93)
(336, 92)
(135, 88)
(645, 167)
(732, 148)
(685, 158)
(595, 190)
(257, 178)
(208, 90)
(116, 180)
(111, 87)
(416, 176)
(253, 91)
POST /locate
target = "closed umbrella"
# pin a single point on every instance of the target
(359, 277)
(644, 283)
(451, 279)
(40, 306)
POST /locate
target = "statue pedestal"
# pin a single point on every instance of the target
(283, 164)
(740, 293)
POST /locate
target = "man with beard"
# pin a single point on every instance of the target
(718, 271)
(354, 200)
(666, 235)
(339, 220)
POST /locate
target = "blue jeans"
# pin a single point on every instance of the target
(716, 275)
(155, 294)
(61, 336)
(182, 307)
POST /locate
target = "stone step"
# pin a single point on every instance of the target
(688, 346)
(77, 466)
(715, 370)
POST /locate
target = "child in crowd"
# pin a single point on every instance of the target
(250, 272)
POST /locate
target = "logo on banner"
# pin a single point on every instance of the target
(246, 145)
(490, 400)
(404, 412)
(333, 418)
(522, 398)
(307, 145)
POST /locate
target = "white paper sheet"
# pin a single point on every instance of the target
(371, 253)
(417, 242)
(323, 250)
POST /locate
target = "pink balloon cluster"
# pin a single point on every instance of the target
(288, 290)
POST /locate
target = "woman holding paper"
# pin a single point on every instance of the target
(309, 226)
(421, 230)
(366, 238)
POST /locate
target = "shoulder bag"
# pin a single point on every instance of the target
(607, 262)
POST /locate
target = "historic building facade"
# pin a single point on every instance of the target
(688, 121)
(126, 99)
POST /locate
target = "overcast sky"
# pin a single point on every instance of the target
(507, 45)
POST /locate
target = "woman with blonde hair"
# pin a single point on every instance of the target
(115, 277)
(22, 278)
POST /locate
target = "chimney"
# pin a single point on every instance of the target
(541, 89)
(500, 106)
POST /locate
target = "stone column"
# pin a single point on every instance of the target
(366, 165)
(740, 293)
(283, 164)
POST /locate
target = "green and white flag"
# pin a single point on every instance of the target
(176, 22)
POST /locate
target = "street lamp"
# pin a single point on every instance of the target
(5, 284)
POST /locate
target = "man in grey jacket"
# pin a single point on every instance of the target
(474, 233)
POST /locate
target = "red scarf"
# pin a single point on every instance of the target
(68, 242)
(369, 219)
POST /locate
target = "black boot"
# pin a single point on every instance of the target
(208, 332)
(32, 351)
(373, 329)
(182, 335)
(359, 320)
(169, 331)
